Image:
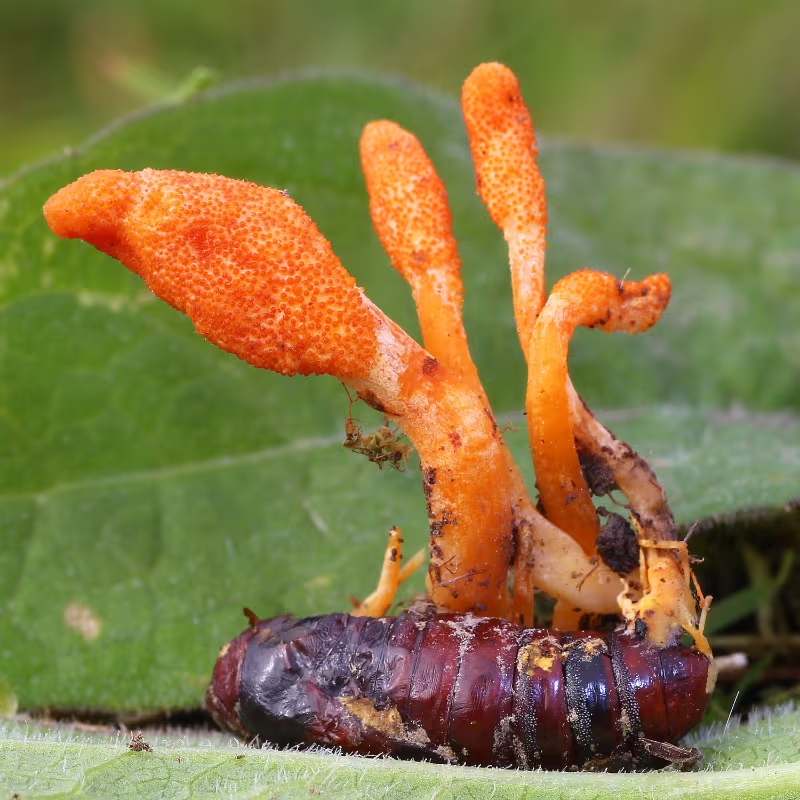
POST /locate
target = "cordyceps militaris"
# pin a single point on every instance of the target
(464, 677)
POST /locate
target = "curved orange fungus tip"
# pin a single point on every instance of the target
(258, 279)
(592, 299)
(598, 300)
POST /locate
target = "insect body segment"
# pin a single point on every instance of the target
(458, 688)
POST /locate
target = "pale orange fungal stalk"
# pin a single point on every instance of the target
(591, 299)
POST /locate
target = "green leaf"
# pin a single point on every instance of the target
(745, 602)
(758, 763)
(151, 485)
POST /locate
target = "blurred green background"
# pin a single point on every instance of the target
(708, 74)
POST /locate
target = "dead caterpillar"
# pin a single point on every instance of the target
(460, 688)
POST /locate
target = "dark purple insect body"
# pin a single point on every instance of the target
(459, 688)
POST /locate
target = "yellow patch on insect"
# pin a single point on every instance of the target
(387, 721)
(540, 655)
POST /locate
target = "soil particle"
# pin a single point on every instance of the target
(617, 544)
(599, 476)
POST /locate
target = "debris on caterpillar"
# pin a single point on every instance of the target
(258, 279)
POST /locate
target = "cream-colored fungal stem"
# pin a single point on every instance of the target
(562, 569)
(592, 299)
(258, 279)
(505, 151)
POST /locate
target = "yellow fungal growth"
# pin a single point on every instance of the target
(258, 279)
(393, 574)
(667, 603)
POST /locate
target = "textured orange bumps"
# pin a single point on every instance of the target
(409, 206)
(504, 148)
(246, 263)
(411, 214)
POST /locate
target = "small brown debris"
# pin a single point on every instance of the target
(617, 544)
(138, 743)
(429, 366)
(381, 447)
(598, 474)
(252, 617)
(681, 756)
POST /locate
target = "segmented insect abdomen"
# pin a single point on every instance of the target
(471, 690)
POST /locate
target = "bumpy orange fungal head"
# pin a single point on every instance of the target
(408, 203)
(245, 262)
(504, 148)
(91, 209)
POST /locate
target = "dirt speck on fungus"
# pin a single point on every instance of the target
(617, 544)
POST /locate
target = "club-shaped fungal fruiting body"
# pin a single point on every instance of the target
(468, 679)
